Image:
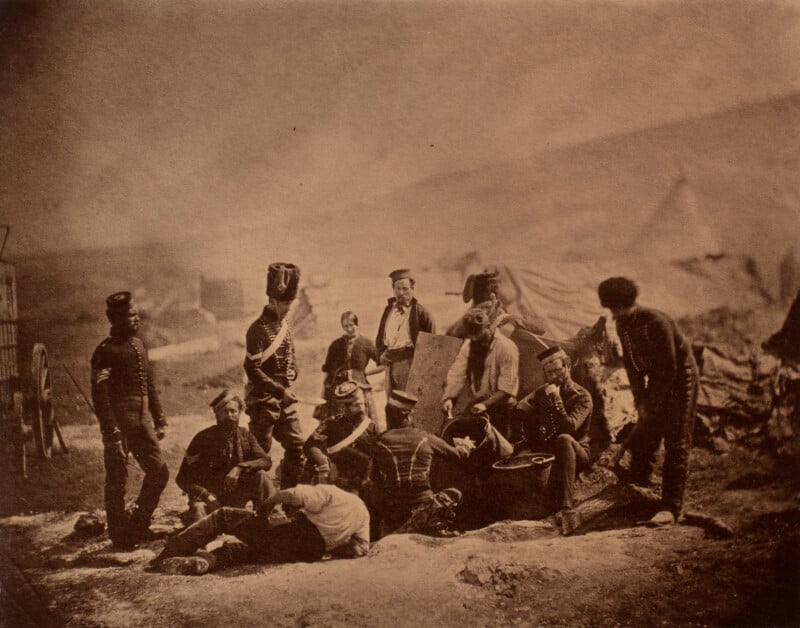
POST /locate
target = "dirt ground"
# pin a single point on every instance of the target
(511, 573)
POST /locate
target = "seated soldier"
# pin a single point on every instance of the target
(555, 419)
(329, 520)
(224, 464)
(401, 464)
(349, 428)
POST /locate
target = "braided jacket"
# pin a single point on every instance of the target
(271, 374)
(658, 358)
(121, 375)
(544, 417)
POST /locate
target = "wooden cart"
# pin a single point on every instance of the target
(26, 390)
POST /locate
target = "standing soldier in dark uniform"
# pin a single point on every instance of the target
(664, 380)
(270, 369)
(123, 390)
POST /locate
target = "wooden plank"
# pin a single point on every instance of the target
(433, 356)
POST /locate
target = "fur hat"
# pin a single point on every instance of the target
(283, 281)
(479, 288)
(617, 293)
(347, 392)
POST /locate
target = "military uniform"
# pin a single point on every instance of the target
(211, 455)
(401, 468)
(347, 359)
(270, 371)
(664, 381)
(559, 424)
(123, 391)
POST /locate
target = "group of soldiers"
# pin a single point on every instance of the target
(348, 483)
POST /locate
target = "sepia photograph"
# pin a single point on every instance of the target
(348, 313)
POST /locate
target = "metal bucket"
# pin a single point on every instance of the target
(519, 484)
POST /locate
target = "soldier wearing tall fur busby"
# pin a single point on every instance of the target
(664, 381)
(271, 369)
(402, 320)
(123, 392)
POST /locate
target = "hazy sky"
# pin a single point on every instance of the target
(126, 122)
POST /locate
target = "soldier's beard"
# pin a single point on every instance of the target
(228, 426)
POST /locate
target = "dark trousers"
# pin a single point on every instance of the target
(143, 444)
(255, 486)
(571, 456)
(397, 373)
(675, 424)
(268, 419)
(396, 511)
(296, 541)
(500, 418)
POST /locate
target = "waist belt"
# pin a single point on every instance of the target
(403, 353)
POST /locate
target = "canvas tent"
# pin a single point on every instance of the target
(562, 296)
(676, 230)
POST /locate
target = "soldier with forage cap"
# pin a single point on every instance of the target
(402, 320)
(123, 392)
(401, 463)
(555, 419)
(270, 367)
(224, 465)
(664, 381)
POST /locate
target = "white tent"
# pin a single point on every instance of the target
(676, 230)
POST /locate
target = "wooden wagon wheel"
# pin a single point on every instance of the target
(40, 401)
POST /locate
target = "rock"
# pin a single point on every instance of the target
(476, 571)
(89, 524)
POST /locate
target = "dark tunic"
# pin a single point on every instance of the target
(664, 381)
(334, 430)
(123, 391)
(544, 417)
(401, 464)
(211, 455)
(121, 375)
(272, 375)
(353, 358)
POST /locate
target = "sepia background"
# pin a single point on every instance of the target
(152, 146)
